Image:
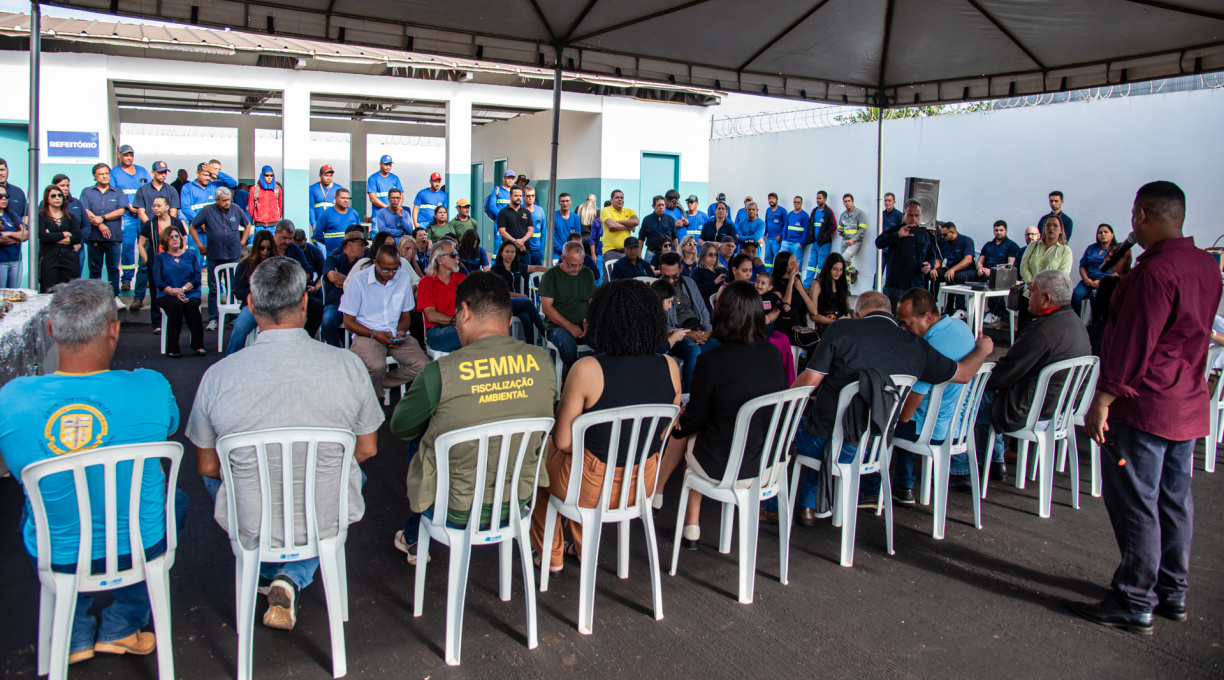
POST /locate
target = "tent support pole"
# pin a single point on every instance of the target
(550, 209)
(32, 133)
(879, 274)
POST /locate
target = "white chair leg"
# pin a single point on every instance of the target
(886, 501)
(726, 527)
(1213, 440)
(990, 444)
(221, 334)
(248, 582)
(335, 612)
(158, 583)
(505, 564)
(785, 518)
(1073, 454)
(550, 528)
(973, 481)
(61, 627)
(1045, 475)
(927, 471)
(1021, 471)
(749, 526)
(591, 532)
(456, 595)
(1094, 452)
(1035, 467)
(622, 548)
(796, 473)
(46, 619)
(680, 512)
(942, 471)
(849, 508)
(529, 592)
(1061, 462)
(418, 595)
(652, 556)
(342, 578)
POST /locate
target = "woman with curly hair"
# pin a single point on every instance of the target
(626, 321)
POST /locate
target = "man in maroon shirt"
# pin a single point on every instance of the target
(1151, 403)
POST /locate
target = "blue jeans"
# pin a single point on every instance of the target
(536, 257)
(333, 323)
(10, 274)
(981, 430)
(1080, 294)
(815, 261)
(529, 316)
(300, 572)
(108, 251)
(794, 248)
(1152, 513)
(244, 325)
(687, 351)
(127, 257)
(211, 264)
(567, 347)
(812, 446)
(442, 338)
(129, 612)
(772, 248)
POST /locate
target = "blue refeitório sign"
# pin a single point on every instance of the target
(72, 144)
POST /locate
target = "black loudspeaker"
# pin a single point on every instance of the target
(926, 192)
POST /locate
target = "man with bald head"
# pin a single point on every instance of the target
(872, 339)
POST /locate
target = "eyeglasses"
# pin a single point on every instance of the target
(449, 255)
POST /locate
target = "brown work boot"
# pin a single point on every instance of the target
(136, 643)
(83, 655)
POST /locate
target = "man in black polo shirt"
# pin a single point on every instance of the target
(514, 222)
(227, 227)
(336, 269)
(909, 254)
(871, 340)
(631, 265)
(956, 268)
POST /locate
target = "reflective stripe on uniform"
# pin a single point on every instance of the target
(324, 205)
(333, 234)
(795, 227)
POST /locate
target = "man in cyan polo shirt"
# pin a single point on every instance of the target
(751, 225)
(618, 225)
(394, 219)
(227, 228)
(105, 205)
(128, 178)
(336, 269)
(335, 221)
(565, 222)
(380, 183)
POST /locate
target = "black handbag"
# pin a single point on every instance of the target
(1015, 298)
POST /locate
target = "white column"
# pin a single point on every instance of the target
(357, 167)
(246, 150)
(459, 151)
(295, 138)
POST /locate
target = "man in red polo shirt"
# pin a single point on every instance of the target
(436, 297)
(1151, 404)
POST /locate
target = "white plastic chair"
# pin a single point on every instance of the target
(58, 595)
(937, 458)
(1216, 410)
(533, 288)
(873, 455)
(608, 270)
(645, 279)
(1049, 435)
(460, 541)
(555, 354)
(770, 482)
(1078, 418)
(643, 426)
(226, 304)
(273, 492)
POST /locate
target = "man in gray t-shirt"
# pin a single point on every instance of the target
(249, 391)
(852, 227)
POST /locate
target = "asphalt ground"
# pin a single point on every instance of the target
(980, 603)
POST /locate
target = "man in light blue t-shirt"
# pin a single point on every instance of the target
(380, 183)
(918, 314)
(83, 406)
(751, 225)
(429, 200)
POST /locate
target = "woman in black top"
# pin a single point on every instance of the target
(708, 275)
(59, 235)
(511, 267)
(148, 243)
(722, 225)
(796, 305)
(626, 321)
(830, 292)
(745, 366)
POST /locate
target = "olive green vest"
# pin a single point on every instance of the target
(495, 378)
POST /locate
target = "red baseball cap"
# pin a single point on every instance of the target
(435, 176)
(326, 169)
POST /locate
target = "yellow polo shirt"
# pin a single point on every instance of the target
(615, 240)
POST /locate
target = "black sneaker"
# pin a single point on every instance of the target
(1174, 611)
(998, 471)
(903, 496)
(1108, 612)
(868, 502)
(282, 604)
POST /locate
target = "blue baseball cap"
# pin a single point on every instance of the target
(160, 166)
(386, 159)
(509, 173)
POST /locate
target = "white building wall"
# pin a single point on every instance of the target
(1002, 164)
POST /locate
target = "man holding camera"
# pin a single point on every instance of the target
(377, 304)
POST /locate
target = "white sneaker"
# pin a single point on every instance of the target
(212, 325)
(959, 314)
(991, 318)
(119, 304)
(409, 549)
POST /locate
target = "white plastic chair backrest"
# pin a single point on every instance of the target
(786, 410)
(275, 492)
(963, 415)
(646, 279)
(513, 434)
(608, 270)
(1213, 354)
(109, 458)
(643, 426)
(225, 282)
(1087, 393)
(870, 446)
(1077, 370)
(533, 287)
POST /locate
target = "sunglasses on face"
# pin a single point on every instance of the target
(265, 249)
(55, 195)
(4, 197)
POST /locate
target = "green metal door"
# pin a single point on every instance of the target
(660, 172)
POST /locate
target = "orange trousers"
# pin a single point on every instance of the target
(558, 465)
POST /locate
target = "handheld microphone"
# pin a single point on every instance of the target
(1119, 252)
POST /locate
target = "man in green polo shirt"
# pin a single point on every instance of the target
(464, 222)
(491, 378)
(564, 292)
